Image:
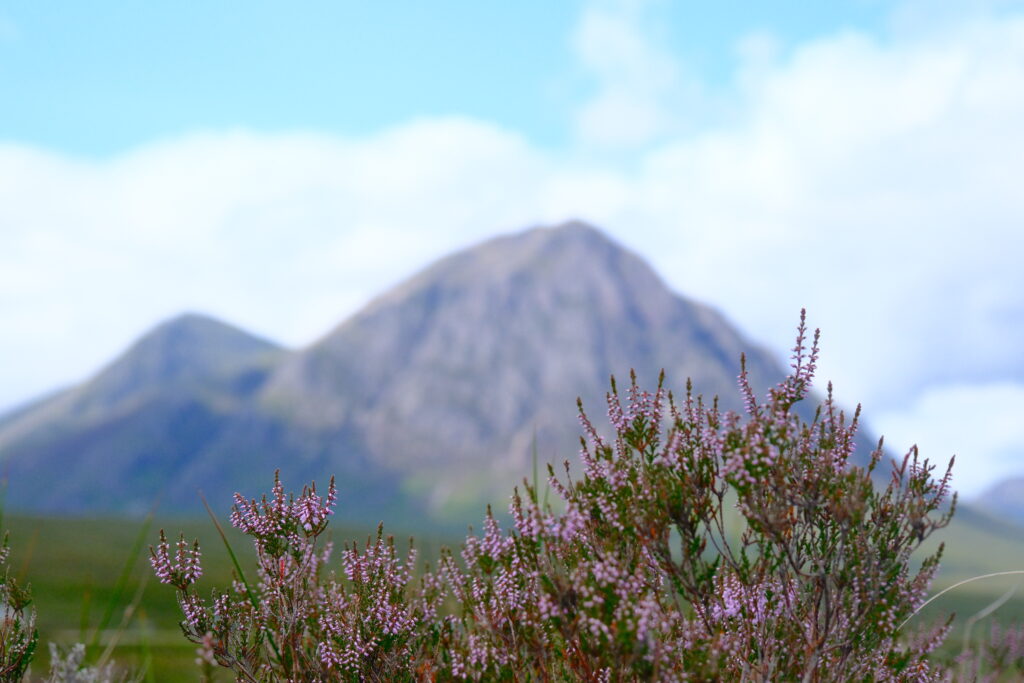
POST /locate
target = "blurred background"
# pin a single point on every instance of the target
(278, 169)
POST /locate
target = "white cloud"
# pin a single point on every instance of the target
(980, 424)
(283, 235)
(641, 89)
(874, 181)
(875, 185)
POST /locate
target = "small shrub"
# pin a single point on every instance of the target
(696, 544)
(69, 667)
(18, 634)
(297, 624)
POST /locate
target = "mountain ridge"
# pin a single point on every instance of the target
(427, 402)
(1004, 499)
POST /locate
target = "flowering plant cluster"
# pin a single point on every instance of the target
(694, 544)
(18, 634)
(296, 623)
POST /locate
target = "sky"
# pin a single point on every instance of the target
(277, 167)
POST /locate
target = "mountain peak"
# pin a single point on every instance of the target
(570, 229)
(193, 320)
(485, 352)
(570, 255)
(186, 349)
(432, 397)
(573, 233)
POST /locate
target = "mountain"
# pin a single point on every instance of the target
(427, 402)
(110, 443)
(465, 366)
(1004, 500)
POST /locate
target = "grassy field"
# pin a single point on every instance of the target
(74, 567)
(976, 545)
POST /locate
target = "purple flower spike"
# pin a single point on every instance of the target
(184, 570)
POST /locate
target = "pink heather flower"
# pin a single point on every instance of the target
(184, 570)
(195, 612)
(311, 511)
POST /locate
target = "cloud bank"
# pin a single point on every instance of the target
(874, 180)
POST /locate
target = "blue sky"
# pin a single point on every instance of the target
(277, 166)
(94, 79)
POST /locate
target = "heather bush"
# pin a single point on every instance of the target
(18, 634)
(694, 544)
(998, 656)
(641, 576)
(297, 623)
(70, 667)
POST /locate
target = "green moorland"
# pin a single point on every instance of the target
(75, 567)
(976, 545)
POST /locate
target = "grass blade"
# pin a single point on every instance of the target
(957, 585)
(129, 612)
(83, 622)
(238, 568)
(122, 579)
(231, 552)
(147, 650)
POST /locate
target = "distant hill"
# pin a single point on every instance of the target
(111, 443)
(1004, 500)
(425, 403)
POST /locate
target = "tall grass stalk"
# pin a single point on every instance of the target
(126, 619)
(956, 585)
(241, 575)
(130, 564)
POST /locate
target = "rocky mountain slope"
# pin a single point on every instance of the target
(427, 402)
